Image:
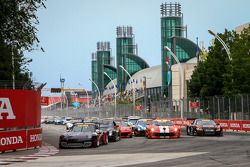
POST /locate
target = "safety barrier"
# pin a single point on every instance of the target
(235, 125)
(20, 119)
(20, 139)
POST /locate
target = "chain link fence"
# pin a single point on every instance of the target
(216, 107)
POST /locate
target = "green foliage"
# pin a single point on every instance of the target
(17, 34)
(217, 75)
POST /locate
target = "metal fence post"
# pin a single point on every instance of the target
(242, 108)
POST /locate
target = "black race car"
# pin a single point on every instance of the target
(111, 128)
(83, 135)
(204, 127)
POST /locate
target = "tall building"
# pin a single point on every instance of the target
(172, 36)
(103, 60)
(127, 56)
(240, 28)
(94, 73)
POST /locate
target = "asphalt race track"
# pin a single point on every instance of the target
(233, 149)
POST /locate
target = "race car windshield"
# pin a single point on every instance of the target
(163, 123)
(105, 126)
(83, 128)
(124, 124)
(141, 123)
(206, 122)
(133, 121)
(89, 128)
(77, 129)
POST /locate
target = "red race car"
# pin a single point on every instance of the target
(126, 130)
(162, 128)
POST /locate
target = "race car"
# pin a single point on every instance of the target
(125, 129)
(112, 129)
(140, 127)
(204, 127)
(161, 128)
(83, 135)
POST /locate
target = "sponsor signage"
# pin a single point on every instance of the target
(246, 125)
(44, 100)
(194, 104)
(34, 137)
(19, 108)
(12, 140)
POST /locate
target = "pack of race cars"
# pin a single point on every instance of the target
(93, 132)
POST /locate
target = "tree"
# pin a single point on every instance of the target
(240, 81)
(217, 75)
(208, 77)
(17, 34)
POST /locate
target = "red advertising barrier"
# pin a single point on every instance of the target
(12, 140)
(235, 125)
(81, 100)
(246, 125)
(238, 125)
(223, 123)
(47, 100)
(19, 108)
(44, 100)
(34, 137)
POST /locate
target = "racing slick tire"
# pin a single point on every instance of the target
(107, 140)
(117, 137)
(96, 143)
(188, 131)
(220, 134)
(60, 146)
(194, 133)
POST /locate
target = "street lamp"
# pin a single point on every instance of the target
(114, 87)
(222, 42)
(62, 80)
(87, 95)
(133, 85)
(99, 98)
(181, 77)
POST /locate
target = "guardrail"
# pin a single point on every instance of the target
(235, 125)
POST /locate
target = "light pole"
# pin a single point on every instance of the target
(181, 78)
(13, 70)
(99, 98)
(133, 85)
(227, 50)
(62, 80)
(87, 96)
(222, 42)
(115, 90)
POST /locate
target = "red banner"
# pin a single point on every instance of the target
(19, 108)
(139, 108)
(34, 137)
(12, 140)
(194, 104)
(81, 100)
(235, 125)
(246, 125)
(44, 100)
(223, 123)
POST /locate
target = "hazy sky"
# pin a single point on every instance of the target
(70, 29)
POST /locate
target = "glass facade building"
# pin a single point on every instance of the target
(111, 71)
(172, 36)
(103, 58)
(127, 56)
(94, 74)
